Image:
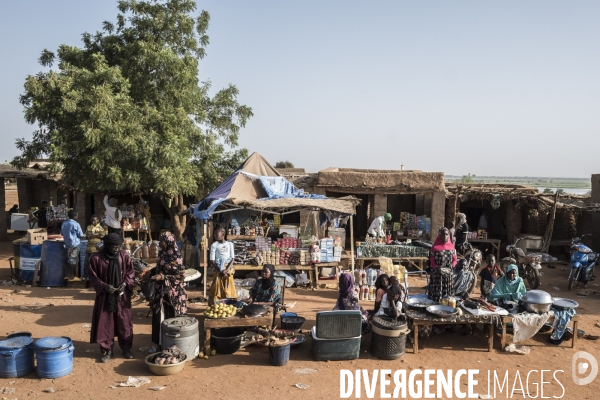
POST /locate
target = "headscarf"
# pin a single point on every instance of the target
(503, 286)
(439, 245)
(512, 267)
(462, 218)
(170, 254)
(114, 269)
(346, 289)
(267, 283)
(379, 281)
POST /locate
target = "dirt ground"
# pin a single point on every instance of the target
(248, 374)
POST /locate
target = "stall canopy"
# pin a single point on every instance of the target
(257, 185)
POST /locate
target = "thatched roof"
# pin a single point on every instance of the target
(380, 181)
(291, 171)
(35, 170)
(345, 205)
(523, 195)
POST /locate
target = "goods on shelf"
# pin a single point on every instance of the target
(392, 251)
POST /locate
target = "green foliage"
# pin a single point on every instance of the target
(284, 164)
(547, 191)
(469, 178)
(560, 191)
(127, 110)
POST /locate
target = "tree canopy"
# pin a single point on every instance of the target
(284, 164)
(127, 111)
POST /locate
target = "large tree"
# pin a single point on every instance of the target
(127, 111)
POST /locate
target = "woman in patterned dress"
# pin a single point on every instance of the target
(442, 260)
(170, 300)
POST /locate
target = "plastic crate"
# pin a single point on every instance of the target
(334, 349)
(339, 324)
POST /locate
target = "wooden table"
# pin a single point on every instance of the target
(416, 262)
(422, 318)
(234, 322)
(310, 268)
(326, 265)
(508, 318)
(494, 242)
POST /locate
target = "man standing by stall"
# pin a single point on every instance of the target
(71, 233)
(112, 277)
(377, 226)
(113, 215)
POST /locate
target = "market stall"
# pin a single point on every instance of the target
(256, 190)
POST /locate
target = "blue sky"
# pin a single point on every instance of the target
(492, 88)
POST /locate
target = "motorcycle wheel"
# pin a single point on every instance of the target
(533, 277)
(572, 277)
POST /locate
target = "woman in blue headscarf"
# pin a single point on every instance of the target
(510, 287)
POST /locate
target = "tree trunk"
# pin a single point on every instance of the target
(178, 221)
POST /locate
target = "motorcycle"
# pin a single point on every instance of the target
(583, 262)
(529, 265)
(466, 271)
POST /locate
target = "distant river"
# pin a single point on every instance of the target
(572, 191)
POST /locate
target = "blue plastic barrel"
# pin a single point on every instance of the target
(16, 356)
(30, 255)
(279, 355)
(54, 264)
(54, 356)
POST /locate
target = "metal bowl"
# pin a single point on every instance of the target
(419, 303)
(442, 311)
(164, 369)
(564, 304)
(537, 297)
(536, 308)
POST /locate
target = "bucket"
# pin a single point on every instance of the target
(54, 356)
(30, 254)
(388, 337)
(292, 323)
(279, 355)
(227, 340)
(54, 263)
(16, 356)
(183, 333)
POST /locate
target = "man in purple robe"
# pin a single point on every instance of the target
(112, 275)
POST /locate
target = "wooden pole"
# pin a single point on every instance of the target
(550, 226)
(456, 205)
(204, 254)
(352, 242)
(3, 222)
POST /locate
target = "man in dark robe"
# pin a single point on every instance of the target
(112, 275)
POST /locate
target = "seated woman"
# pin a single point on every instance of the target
(391, 304)
(510, 287)
(266, 290)
(381, 285)
(442, 261)
(348, 300)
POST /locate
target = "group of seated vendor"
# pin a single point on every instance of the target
(389, 298)
(498, 285)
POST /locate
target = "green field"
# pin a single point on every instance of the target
(564, 183)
